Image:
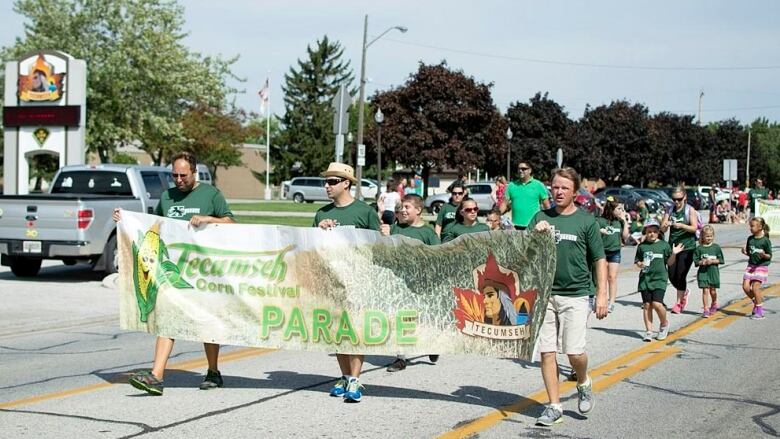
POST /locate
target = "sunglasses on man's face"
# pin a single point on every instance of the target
(677, 200)
(175, 176)
(524, 169)
(333, 181)
(457, 194)
(470, 209)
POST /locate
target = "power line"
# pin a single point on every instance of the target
(577, 64)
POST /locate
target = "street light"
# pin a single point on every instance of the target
(508, 153)
(361, 97)
(379, 118)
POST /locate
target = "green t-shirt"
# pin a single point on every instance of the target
(753, 245)
(459, 229)
(446, 218)
(653, 275)
(611, 233)
(680, 236)
(758, 194)
(422, 233)
(578, 245)
(356, 213)
(203, 199)
(526, 199)
(636, 226)
(708, 275)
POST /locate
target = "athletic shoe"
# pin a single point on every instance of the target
(433, 358)
(706, 313)
(611, 308)
(648, 336)
(550, 416)
(212, 380)
(340, 388)
(713, 308)
(147, 382)
(758, 313)
(398, 365)
(684, 300)
(663, 333)
(585, 397)
(677, 308)
(354, 391)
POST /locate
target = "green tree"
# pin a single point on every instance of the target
(140, 77)
(766, 144)
(306, 144)
(441, 118)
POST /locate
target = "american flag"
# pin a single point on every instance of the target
(264, 93)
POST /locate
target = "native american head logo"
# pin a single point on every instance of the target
(496, 308)
(152, 267)
(42, 83)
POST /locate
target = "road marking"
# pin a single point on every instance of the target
(606, 374)
(182, 365)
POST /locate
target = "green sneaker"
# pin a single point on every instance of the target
(147, 382)
(212, 380)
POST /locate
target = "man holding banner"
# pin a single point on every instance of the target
(345, 211)
(579, 247)
(199, 204)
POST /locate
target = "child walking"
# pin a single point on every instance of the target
(707, 257)
(653, 256)
(758, 249)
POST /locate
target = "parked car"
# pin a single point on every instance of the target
(628, 196)
(307, 189)
(694, 197)
(720, 195)
(662, 200)
(73, 222)
(369, 189)
(480, 192)
(585, 201)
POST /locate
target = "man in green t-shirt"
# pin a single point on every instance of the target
(757, 193)
(446, 218)
(526, 196)
(199, 204)
(579, 248)
(345, 211)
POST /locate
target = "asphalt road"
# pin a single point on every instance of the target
(63, 367)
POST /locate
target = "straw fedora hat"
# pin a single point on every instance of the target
(340, 170)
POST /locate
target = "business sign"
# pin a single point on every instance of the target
(44, 79)
(341, 290)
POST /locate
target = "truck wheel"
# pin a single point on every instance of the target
(112, 256)
(25, 267)
(298, 198)
(436, 207)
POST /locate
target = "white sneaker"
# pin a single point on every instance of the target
(663, 333)
(648, 336)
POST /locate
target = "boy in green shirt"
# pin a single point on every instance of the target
(653, 256)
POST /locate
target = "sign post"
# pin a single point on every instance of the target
(729, 171)
(340, 106)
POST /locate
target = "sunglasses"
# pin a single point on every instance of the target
(676, 200)
(470, 209)
(333, 181)
(524, 169)
(457, 193)
(180, 175)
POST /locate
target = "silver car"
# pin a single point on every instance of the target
(480, 192)
(308, 189)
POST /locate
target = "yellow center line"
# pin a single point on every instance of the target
(182, 365)
(606, 374)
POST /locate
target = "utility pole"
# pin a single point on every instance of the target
(701, 95)
(747, 166)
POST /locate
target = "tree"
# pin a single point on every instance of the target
(306, 144)
(539, 128)
(766, 136)
(441, 118)
(140, 77)
(677, 141)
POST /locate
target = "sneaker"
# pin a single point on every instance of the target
(585, 397)
(340, 388)
(550, 416)
(648, 336)
(677, 308)
(212, 380)
(684, 300)
(663, 333)
(758, 313)
(713, 308)
(706, 313)
(354, 391)
(611, 308)
(433, 358)
(147, 382)
(398, 365)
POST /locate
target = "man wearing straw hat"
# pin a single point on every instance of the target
(345, 211)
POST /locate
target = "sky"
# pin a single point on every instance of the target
(662, 54)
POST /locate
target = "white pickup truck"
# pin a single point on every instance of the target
(73, 223)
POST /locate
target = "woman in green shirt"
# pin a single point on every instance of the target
(682, 222)
(613, 224)
(465, 221)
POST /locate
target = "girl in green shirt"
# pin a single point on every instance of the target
(758, 249)
(466, 221)
(613, 224)
(707, 257)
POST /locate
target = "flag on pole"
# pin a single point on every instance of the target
(264, 93)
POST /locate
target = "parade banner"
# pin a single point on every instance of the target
(341, 290)
(770, 211)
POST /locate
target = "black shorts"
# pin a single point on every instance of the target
(520, 227)
(653, 296)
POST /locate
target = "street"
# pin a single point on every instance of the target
(65, 365)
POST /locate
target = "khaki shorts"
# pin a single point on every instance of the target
(565, 323)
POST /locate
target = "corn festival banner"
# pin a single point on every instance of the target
(342, 290)
(770, 211)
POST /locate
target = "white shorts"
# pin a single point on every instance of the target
(565, 325)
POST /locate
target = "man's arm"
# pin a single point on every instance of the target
(601, 288)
